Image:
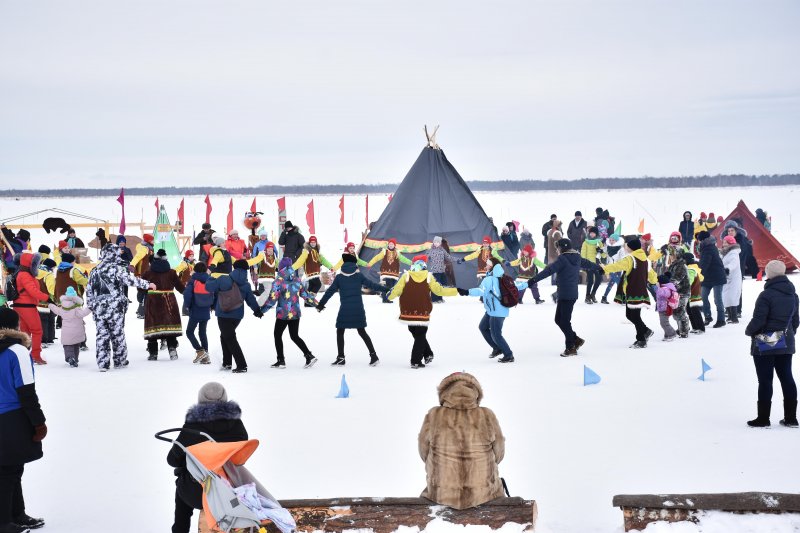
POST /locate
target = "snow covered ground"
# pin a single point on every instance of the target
(649, 427)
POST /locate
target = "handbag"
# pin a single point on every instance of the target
(774, 340)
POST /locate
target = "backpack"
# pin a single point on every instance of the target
(11, 291)
(674, 300)
(231, 299)
(509, 295)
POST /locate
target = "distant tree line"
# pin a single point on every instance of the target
(647, 182)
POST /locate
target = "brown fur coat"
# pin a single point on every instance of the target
(461, 444)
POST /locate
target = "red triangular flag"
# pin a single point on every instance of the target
(281, 204)
(346, 240)
(229, 226)
(121, 200)
(341, 210)
(253, 206)
(180, 217)
(157, 208)
(310, 218)
(390, 197)
(208, 210)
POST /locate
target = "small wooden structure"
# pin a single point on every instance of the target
(384, 515)
(642, 509)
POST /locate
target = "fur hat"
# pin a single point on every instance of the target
(67, 258)
(121, 239)
(633, 244)
(206, 225)
(200, 267)
(592, 229)
(148, 238)
(44, 249)
(161, 253)
(689, 258)
(284, 263)
(288, 225)
(24, 234)
(212, 392)
(774, 269)
(49, 263)
(241, 264)
(703, 235)
(564, 245)
(9, 319)
(349, 258)
(729, 240)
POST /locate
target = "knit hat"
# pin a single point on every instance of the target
(774, 269)
(647, 237)
(161, 253)
(212, 392)
(200, 267)
(9, 319)
(729, 240)
(148, 238)
(592, 229)
(633, 244)
(711, 217)
(719, 219)
(689, 258)
(528, 249)
(702, 215)
(578, 214)
(121, 239)
(349, 258)
(437, 240)
(486, 240)
(67, 258)
(288, 225)
(189, 253)
(564, 245)
(43, 249)
(665, 278)
(392, 241)
(233, 232)
(262, 232)
(421, 257)
(349, 245)
(24, 234)
(553, 216)
(270, 245)
(62, 244)
(242, 264)
(703, 235)
(312, 239)
(614, 236)
(675, 234)
(206, 225)
(218, 240)
(71, 292)
(284, 263)
(49, 263)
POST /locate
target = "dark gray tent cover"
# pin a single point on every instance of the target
(433, 200)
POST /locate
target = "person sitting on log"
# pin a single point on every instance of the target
(461, 444)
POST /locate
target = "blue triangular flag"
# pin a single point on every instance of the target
(590, 377)
(705, 368)
(344, 390)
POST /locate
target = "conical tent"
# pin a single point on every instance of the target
(433, 200)
(164, 237)
(765, 246)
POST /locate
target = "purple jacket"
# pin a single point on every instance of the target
(662, 295)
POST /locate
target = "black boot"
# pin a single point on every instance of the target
(789, 413)
(732, 317)
(762, 420)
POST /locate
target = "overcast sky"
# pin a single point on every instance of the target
(111, 93)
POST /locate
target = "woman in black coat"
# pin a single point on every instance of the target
(776, 310)
(351, 315)
(215, 415)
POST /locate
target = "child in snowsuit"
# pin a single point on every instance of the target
(390, 260)
(197, 303)
(285, 295)
(47, 283)
(30, 294)
(664, 294)
(351, 314)
(679, 276)
(414, 289)
(485, 255)
(592, 250)
(695, 308)
(73, 329)
(528, 266)
(311, 261)
(615, 250)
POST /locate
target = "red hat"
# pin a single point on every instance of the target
(349, 244)
(26, 260)
(270, 245)
(62, 244)
(313, 238)
(711, 216)
(729, 239)
(720, 219)
(188, 254)
(647, 237)
(487, 239)
(393, 241)
(423, 258)
(529, 250)
(148, 238)
(676, 234)
(702, 215)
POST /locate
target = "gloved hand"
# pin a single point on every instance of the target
(40, 432)
(462, 292)
(258, 313)
(320, 307)
(185, 311)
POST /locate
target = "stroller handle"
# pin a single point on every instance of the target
(160, 434)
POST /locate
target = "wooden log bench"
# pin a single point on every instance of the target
(384, 515)
(642, 509)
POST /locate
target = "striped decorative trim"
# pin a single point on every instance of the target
(411, 322)
(416, 248)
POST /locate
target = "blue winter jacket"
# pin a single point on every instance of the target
(348, 284)
(776, 308)
(567, 267)
(224, 283)
(198, 303)
(489, 289)
(711, 264)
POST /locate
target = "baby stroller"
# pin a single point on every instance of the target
(233, 499)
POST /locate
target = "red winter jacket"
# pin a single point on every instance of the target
(236, 248)
(27, 285)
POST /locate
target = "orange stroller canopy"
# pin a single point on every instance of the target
(213, 455)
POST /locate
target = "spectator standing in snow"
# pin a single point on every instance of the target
(438, 258)
(510, 239)
(765, 219)
(546, 227)
(732, 291)
(776, 310)
(713, 277)
(461, 444)
(686, 228)
(22, 422)
(576, 232)
(292, 241)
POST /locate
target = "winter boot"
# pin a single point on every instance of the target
(539, 301)
(604, 300)
(638, 345)
(594, 299)
(14, 528)
(762, 420)
(72, 362)
(495, 353)
(588, 300)
(242, 370)
(416, 366)
(310, 361)
(173, 354)
(719, 323)
(152, 357)
(578, 343)
(339, 361)
(707, 320)
(84, 347)
(732, 317)
(140, 311)
(28, 521)
(373, 359)
(225, 367)
(568, 352)
(199, 355)
(789, 413)
(506, 359)
(428, 359)
(280, 363)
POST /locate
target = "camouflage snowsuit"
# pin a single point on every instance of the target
(106, 298)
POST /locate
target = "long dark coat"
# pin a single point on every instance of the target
(348, 284)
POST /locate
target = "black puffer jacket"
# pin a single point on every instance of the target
(222, 421)
(711, 264)
(292, 241)
(776, 307)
